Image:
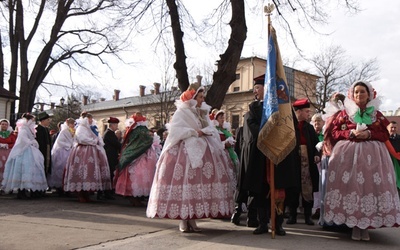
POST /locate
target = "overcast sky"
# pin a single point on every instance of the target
(372, 33)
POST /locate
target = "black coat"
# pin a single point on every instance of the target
(287, 173)
(112, 147)
(395, 140)
(242, 149)
(44, 140)
(255, 178)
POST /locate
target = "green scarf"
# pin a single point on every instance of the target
(231, 151)
(364, 117)
(320, 137)
(5, 134)
(139, 141)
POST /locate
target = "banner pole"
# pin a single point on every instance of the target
(268, 11)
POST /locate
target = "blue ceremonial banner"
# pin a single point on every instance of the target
(277, 136)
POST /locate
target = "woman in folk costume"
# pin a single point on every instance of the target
(193, 178)
(228, 142)
(24, 168)
(137, 164)
(7, 141)
(87, 167)
(361, 189)
(60, 153)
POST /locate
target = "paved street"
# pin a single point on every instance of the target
(63, 223)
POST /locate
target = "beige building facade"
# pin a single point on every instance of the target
(158, 106)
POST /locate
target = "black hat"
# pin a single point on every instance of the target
(259, 80)
(42, 116)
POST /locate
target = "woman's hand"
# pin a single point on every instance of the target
(200, 133)
(363, 135)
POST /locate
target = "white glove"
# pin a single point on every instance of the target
(361, 126)
(319, 145)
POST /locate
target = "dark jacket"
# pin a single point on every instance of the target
(44, 140)
(112, 147)
(255, 180)
(395, 140)
(287, 174)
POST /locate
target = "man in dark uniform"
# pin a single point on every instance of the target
(394, 137)
(256, 177)
(242, 148)
(307, 174)
(112, 146)
(255, 180)
(44, 140)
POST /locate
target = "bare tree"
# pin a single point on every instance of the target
(73, 33)
(97, 36)
(336, 73)
(308, 13)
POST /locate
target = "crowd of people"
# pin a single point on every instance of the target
(344, 168)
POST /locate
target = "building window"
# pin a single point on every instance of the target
(289, 72)
(236, 89)
(235, 121)
(237, 76)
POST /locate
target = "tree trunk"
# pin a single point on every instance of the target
(180, 64)
(14, 44)
(39, 72)
(227, 65)
(1, 63)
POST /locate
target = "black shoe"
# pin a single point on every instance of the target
(292, 220)
(108, 195)
(316, 215)
(21, 194)
(308, 221)
(101, 197)
(278, 225)
(261, 230)
(280, 231)
(236, 218)
(252, 223)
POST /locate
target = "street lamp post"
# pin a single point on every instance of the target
(62, 101)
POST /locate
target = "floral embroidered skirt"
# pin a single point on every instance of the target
(87, 169)
(136, 178)
(180, 191)
(361, 187)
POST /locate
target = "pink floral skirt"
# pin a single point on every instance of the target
(182, 192)
(136, 178)
(361, 187)
(87, 169)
